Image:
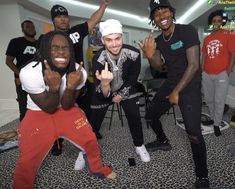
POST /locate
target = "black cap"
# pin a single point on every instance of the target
(58, 10)
(221, 13)
(158, 3)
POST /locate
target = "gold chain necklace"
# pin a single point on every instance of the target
(166, 40)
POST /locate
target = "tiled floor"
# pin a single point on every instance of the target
(166, 170)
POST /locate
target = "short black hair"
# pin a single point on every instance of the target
(220, 13)
(151, 17)
(26, 21)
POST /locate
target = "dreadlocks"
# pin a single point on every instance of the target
(151, 17)
(44, 53)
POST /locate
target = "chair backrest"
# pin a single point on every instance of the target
(154, 84)
(140, 87)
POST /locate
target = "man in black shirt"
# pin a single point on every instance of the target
(77, 33)
(22, 49)
(180, 46)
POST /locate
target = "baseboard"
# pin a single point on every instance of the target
(8, 104)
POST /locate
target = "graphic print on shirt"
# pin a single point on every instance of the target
(214, 48)
(156, 1)
(75, 37)
(177, 45)
(29, 50)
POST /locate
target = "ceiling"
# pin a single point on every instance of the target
(140, 7)
(136, 7)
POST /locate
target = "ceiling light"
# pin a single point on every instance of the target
(112, 11)
(191, 10)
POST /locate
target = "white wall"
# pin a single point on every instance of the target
(38, 21)
(12, 15)
(201, 35)
(10, 27)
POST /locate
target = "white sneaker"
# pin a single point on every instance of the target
(80, 162)
(112, 175)
(143, 153)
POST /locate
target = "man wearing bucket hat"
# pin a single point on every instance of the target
(117, 67)
(77, 33)
(218, 57)
(183, 85)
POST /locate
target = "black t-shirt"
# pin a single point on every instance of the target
(174, 51)
(77, 34)
(22, 49)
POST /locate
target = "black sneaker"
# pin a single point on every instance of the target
(202, 182)
(157, 145)
(98, 135)
(55, 151)
(233, 118)
(217, 131)
(207, 122)
(226, 108)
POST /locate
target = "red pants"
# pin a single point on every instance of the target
(37, 133)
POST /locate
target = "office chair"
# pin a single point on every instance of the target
(142, 103)
(113, 109)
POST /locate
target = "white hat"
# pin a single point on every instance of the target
(110, 26)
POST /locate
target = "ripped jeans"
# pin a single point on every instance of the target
(190, 104)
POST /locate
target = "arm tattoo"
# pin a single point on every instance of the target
(192, 54)
(156, 61)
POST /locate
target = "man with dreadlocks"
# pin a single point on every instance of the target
(54, 82)
(60, 19)
(183, 85)
(218, 57)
